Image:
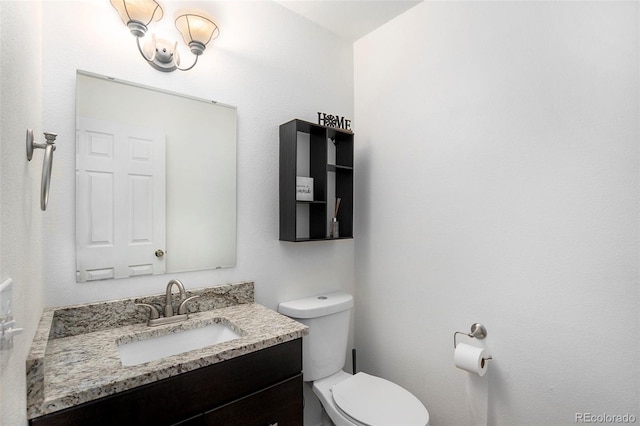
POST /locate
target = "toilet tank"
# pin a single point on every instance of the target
(327, 316)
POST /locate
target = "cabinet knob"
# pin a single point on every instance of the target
(159, 253)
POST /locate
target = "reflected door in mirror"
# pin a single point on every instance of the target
(121, 200)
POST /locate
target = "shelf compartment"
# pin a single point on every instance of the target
(336, 168)
(305, 240)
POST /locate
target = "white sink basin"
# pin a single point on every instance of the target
(157, 347)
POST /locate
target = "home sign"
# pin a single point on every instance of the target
(331, 120)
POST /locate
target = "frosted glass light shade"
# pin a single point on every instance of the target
(137, 14)
(196, 31)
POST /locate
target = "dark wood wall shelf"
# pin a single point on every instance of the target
(326, 155)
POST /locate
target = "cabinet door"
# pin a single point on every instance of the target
(278, 405)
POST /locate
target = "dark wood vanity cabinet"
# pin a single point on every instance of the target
(262, 388)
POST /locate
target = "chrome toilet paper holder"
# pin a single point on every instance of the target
(478, 331)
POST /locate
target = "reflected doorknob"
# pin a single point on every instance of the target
(159, 253)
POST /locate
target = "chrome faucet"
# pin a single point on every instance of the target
(168, 307)
(169, 316)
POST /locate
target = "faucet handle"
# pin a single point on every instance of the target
(182, 309)
(153, 311)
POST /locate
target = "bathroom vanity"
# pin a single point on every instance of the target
(75, 374)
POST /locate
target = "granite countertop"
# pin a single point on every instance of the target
(74, 359)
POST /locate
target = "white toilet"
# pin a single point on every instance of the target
(349, 400)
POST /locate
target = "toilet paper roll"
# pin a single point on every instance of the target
(477, 392)
(471, 359)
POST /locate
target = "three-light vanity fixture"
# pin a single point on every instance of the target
(196, 30)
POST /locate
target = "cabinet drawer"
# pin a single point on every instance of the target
(280, 405)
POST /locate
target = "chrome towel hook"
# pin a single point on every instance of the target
(49, 146)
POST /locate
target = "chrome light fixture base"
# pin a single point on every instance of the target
(161, 54)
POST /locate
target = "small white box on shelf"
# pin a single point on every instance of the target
(304, 188)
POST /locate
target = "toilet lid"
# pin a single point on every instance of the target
(376, 402)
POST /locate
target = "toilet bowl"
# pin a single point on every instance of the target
(349, 400)
(366, 400)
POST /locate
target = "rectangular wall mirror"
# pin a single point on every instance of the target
(155, 181)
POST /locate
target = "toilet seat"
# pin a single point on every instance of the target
(375, 401)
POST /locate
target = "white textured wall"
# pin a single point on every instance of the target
(272, 64)
(22, 224)
(497, 182)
